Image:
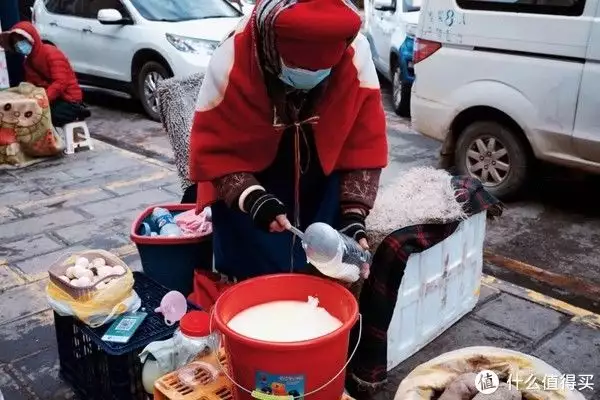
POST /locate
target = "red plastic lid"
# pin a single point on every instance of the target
(195, 324)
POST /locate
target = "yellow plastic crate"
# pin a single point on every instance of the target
(170, 387)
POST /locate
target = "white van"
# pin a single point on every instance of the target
(502, 83)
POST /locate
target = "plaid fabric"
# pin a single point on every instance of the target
(378, 298)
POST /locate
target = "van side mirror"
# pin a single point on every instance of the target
(384, 5)
(110, 16)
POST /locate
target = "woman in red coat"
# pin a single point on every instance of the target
(289, 129)
(46, 66)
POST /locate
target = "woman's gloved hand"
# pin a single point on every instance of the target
(267, 211)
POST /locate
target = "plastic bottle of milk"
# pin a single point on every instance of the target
(334, 253)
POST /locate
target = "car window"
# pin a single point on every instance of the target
(184, 10)
(91, 7)
(553, 7)
(65, 7)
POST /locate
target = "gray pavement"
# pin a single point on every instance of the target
(89, 200)
(555, 226)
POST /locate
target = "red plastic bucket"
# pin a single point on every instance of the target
(313, 368)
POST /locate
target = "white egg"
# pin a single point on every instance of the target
(84, 281)
(89, 274)
(118, 270)
(75, 282)
(64, 278)
(70, 272)
(82, 261)
(104, 271)
(99, 262)
(79, 271)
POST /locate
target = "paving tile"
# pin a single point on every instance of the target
(98, 230)
(21, 196)
(22, 301)
(42, 374)
(521, 316)
(160, 179)
(26, 336)
(37, 267)
(34, 225)
(12, 389)
(135, 201)
(486, 292)
(9, 278)
(465, 333)
(63, 201)
(28, 247)
(582, 345)
(109, 164)
(10, 183)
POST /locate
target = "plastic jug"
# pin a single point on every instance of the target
(173, 306)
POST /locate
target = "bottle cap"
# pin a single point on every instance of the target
(195, 324)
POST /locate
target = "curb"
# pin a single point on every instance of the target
(578, 315)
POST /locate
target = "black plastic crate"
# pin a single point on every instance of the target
(99, 370)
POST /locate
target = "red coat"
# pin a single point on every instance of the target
(48, 67)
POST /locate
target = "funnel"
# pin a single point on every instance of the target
(173, 306)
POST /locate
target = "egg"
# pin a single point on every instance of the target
(89, 274)
(79, 271)
(84, 281)
(75, 282)
(64, 278)
(70, 272)
(82, 261)
(99, 262)
(118, 270)
(104, 271)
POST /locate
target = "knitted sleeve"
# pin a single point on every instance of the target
(230, 187)
(358, 189)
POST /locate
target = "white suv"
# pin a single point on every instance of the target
(130, 45)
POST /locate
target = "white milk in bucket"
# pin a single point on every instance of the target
(285, 321)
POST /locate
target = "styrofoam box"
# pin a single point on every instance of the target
(440, 286)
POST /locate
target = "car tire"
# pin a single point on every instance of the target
(400, 93)
(147, 79)
(495, 154)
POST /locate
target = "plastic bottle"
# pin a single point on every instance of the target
(150, 373)
(193, 338)
(165, 223)
(333, 253)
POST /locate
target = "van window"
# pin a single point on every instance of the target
(65, 7)
(553, 7)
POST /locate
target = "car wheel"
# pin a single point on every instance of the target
(495, 154)
(400, 94)
(148, 78)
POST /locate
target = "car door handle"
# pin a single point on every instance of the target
(53, 24)
(87, 30)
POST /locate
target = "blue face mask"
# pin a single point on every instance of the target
(302, 78)
(23, 47)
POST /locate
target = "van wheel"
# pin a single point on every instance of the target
(148, 78)
(493, 153)
(401, 94)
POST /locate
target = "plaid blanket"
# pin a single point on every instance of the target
(368, 369)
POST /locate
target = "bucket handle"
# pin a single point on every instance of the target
(250, 392)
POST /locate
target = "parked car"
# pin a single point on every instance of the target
(390, 26)
(130, 45)
(505, 83)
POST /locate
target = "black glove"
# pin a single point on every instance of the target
(263, 207)
(353, 225)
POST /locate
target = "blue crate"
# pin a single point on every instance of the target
(99, 370)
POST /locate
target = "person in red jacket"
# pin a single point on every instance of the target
(46, 66)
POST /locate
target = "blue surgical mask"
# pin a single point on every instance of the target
(302, 78)
(23, 47)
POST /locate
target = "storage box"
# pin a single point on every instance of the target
(439, 287)
(100, 370)
(171, 261)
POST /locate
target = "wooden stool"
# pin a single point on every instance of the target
(71, 143)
